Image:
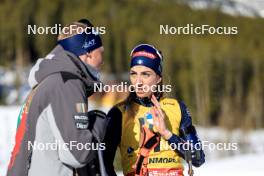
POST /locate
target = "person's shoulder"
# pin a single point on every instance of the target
(120, 106)
(51, 81)
(56, 85)
(115, 113)
(62, 79)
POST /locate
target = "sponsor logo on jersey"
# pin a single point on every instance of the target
(168, 103)
(162, 160)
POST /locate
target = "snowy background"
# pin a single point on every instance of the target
(246, 161)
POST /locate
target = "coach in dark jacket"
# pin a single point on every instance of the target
(53, 137)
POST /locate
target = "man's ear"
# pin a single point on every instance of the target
(85, 57)
(89, 56)
(82, 57)
(159, 80)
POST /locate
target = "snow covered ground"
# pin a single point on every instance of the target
(8, 123)
(242, 165)
(247, 160)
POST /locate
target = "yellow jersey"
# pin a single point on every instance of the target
(132, 119)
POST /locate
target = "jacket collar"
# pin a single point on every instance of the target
(143, 101)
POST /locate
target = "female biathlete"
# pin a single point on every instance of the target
(152, 131)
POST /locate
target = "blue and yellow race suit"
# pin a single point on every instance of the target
(123, 131)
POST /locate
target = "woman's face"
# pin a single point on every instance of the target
(143, 78)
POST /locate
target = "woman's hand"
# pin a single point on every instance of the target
(159, 119)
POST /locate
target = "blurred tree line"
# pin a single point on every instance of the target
(220, 77)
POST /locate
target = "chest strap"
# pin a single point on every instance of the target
(148, 141)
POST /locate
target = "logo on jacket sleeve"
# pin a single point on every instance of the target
(81, 107)
(81, 118)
